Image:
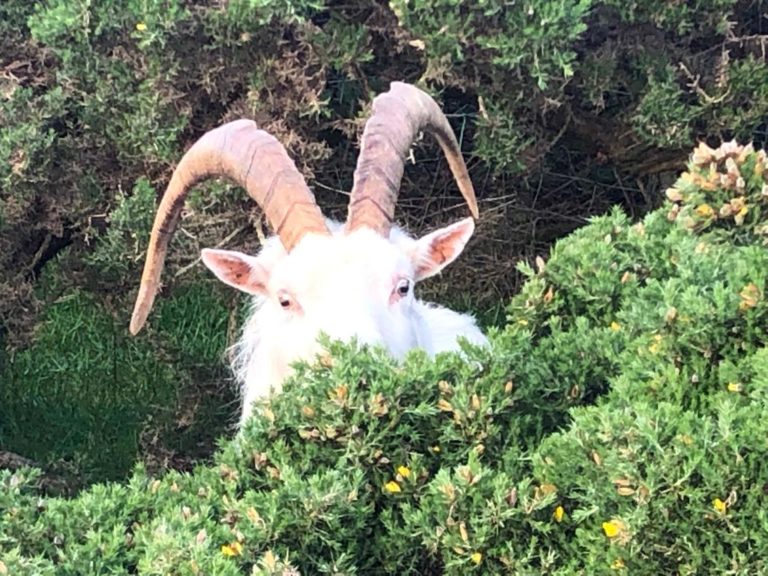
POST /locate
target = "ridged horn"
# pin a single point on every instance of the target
(253, 159)
(397, 118)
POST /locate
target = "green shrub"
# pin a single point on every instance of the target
(699, 17)
(128, 234)
(616, 425)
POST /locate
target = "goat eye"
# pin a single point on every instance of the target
(285, 300)
(403, 287)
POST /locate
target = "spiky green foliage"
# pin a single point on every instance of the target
(616, 425)
(562, 108)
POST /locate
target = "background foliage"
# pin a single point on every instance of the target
(563, 109)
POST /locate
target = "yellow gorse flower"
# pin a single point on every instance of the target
(404, 471)
(234, 549)
(613, 528)
(615, 326)
(141, 26)
(719, 505)
(476, 557)
(392, 487)
(705, 211)
(558, 514)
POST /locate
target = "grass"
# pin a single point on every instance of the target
(88, 398)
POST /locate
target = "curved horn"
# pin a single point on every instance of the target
(398, 116)
(253, 159)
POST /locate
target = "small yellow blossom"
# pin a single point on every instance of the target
(740, 215)
(719, 505)
(141, 26)
(613, 528)
(404, 471)
(559, 513)
(734, 387)
(523, 322)
(392, 487)
(618, 564)
(476, 557)
(436, 449)
(615, 326)
(234, 549)
(705, 211)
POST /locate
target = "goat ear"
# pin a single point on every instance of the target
(436, 250)
(237, 269)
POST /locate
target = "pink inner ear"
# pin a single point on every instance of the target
(236, 269)
(443, 247)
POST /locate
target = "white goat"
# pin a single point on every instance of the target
(351, 280)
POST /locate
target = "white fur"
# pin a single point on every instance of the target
(343, 284)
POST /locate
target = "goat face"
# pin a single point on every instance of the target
(349, 285)
(349, 281)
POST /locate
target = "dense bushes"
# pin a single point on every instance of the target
(616, 426)
(563, 108)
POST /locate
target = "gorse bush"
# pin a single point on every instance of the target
(615, 426)
(562, 109)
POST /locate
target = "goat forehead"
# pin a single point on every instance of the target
(354, 261)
